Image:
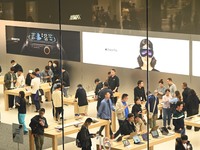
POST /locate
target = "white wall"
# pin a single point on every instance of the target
(86, 73)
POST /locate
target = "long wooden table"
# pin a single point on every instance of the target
(193, 121)
(52, 133)
(71, 101)
(152, 143)
(44, 86)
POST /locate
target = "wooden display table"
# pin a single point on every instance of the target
(193, 121)
(52, 133)
(45, 86)
(152, 143)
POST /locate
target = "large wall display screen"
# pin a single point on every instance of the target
(195, 58)
(43, 43)
(165, 55)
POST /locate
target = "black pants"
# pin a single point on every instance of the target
(102, 127)
(119, 130)
(58, 112)
(11, 101)
(114, 100)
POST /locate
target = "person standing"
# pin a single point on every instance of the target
(178, 119)
(185, 92)
(10, 81)
(0, 69)
(99, 86)
(28, 78)
(35, 85)
(20, 79)
(122, 111)
(104, 112)
(139, 91)
(85, 135)
(82, 100)
(166, 108)
(161, 91)
(113, 83)
(22, 110)
(171, 86)
(66, 81)
(38, 124)
(16, 66)
(56, 69)
(102, 93)
(57, 101)
(152, 106)
(192, 106)
(46, 75)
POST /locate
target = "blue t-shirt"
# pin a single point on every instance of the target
(126, 109)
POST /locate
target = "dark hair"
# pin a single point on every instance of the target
(96, 80)
(58, 86)
(79, 85)
(130, 115)
(124, 95)
(50, 62)
(20, 70)
(109, 72)
(12, 61)
(184, 84)
(22, 94)
(167, 90)
(184, 137)
(105, 84)
(179, 103)
(113, 70)
(37, 69)
(42, 110)
(33, 73)
(136, 99)
(161, 81)
(47, 67)
(106, 93)
(139, 82)
(56, 62)
(12, 69)
(178, 95)
(88, 120)
(136, 116)
(170, 79)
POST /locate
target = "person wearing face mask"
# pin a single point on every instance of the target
(16, 66)
(142, 58)
(55, 69)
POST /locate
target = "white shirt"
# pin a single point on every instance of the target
(56, 97)
(12, 84)
(20, 81)
(35, 85)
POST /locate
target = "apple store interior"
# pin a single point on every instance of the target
(99, 74)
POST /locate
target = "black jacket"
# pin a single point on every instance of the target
(179, 145)
(82, 96)
(0, 69)
(139, 92)
(152, 100)
(85, 137)
(98, 88)
(192, 105)
(66, 80)
(28, 79)
(185, 94)
(178, 120)
(113, 82)
(127, 128)
(36, 127)
(137, 108)
(22, 107)
(17, 67)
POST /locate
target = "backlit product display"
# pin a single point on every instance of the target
(195, 58)
(165, 55)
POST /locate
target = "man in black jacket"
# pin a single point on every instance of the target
(37, 124)
(183, 143)
(66, 81)
(16, 66)
(99, 86)
(185, 91)
(178, 118)
(128, 126)
(139, 91)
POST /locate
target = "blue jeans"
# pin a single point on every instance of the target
(65, 91)
(21, 119)
(166, 116)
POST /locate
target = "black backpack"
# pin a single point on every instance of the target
(78, 140)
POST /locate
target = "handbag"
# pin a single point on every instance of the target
(154, 107)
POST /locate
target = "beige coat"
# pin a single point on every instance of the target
(120, 110)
